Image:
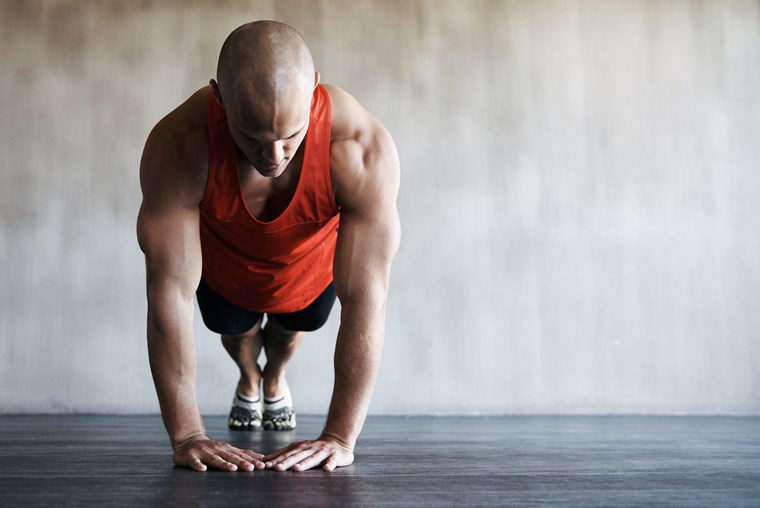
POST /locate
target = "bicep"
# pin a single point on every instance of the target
(365, 172)
(363, 258)
(368, 240)
(170, 240)
(168, 228)
(173, 172)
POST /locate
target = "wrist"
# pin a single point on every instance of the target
(183, 431)
(341, 440)
(187, 438)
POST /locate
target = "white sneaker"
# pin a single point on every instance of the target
(245, 413)
(278, 412)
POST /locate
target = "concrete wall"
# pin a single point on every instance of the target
(580, 199)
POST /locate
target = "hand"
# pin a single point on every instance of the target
(200, 452)
(300, 456)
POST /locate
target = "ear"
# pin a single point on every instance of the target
(217, 93)
(316, 79)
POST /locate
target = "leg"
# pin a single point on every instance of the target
(247, 407)
(242, 338)
(281, 341)
(279, 345)
(244, 349)
(283, 334)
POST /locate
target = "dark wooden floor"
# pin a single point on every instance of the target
(125, 461)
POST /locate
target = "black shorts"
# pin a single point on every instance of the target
(225, 318)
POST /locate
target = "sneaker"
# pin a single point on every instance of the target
(278, 412)
(245, 413)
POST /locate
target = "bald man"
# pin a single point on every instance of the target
(267, 194)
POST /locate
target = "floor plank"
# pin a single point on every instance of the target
(110, 460)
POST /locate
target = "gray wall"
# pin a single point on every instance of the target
(580, 199)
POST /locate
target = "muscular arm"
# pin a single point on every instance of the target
(167, 230)
(172, 181)
(365, 171)
(171, 344)
(367, 242)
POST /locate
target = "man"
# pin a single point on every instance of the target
(258, 191)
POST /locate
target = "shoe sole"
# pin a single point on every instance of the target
(277, 422)
(244, 419)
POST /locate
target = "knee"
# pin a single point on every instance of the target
(277, 331)
(238, 337)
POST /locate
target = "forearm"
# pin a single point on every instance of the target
(358, 352)
(171, 350)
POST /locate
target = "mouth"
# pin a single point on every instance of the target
(272, 169)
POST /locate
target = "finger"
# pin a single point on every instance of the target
(231, 459)
(245, 462)
(286, 461)
(197, 464)
(312, 461)
(219, 463)
(253, 455)
(295, 459)
(285, 454)
(244, 451)
(277, 453)
(256, 458)
(255, 462)
(338, 460)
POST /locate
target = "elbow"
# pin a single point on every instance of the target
(369, 300)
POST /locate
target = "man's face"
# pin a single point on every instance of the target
(268, 133)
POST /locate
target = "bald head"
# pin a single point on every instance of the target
(267, 58)
(265, 83)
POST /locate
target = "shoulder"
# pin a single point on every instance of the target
(350, 120)
(174, 164)
(363, 156)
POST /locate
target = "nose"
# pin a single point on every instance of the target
(273, 153)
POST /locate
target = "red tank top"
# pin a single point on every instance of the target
(279, 266)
